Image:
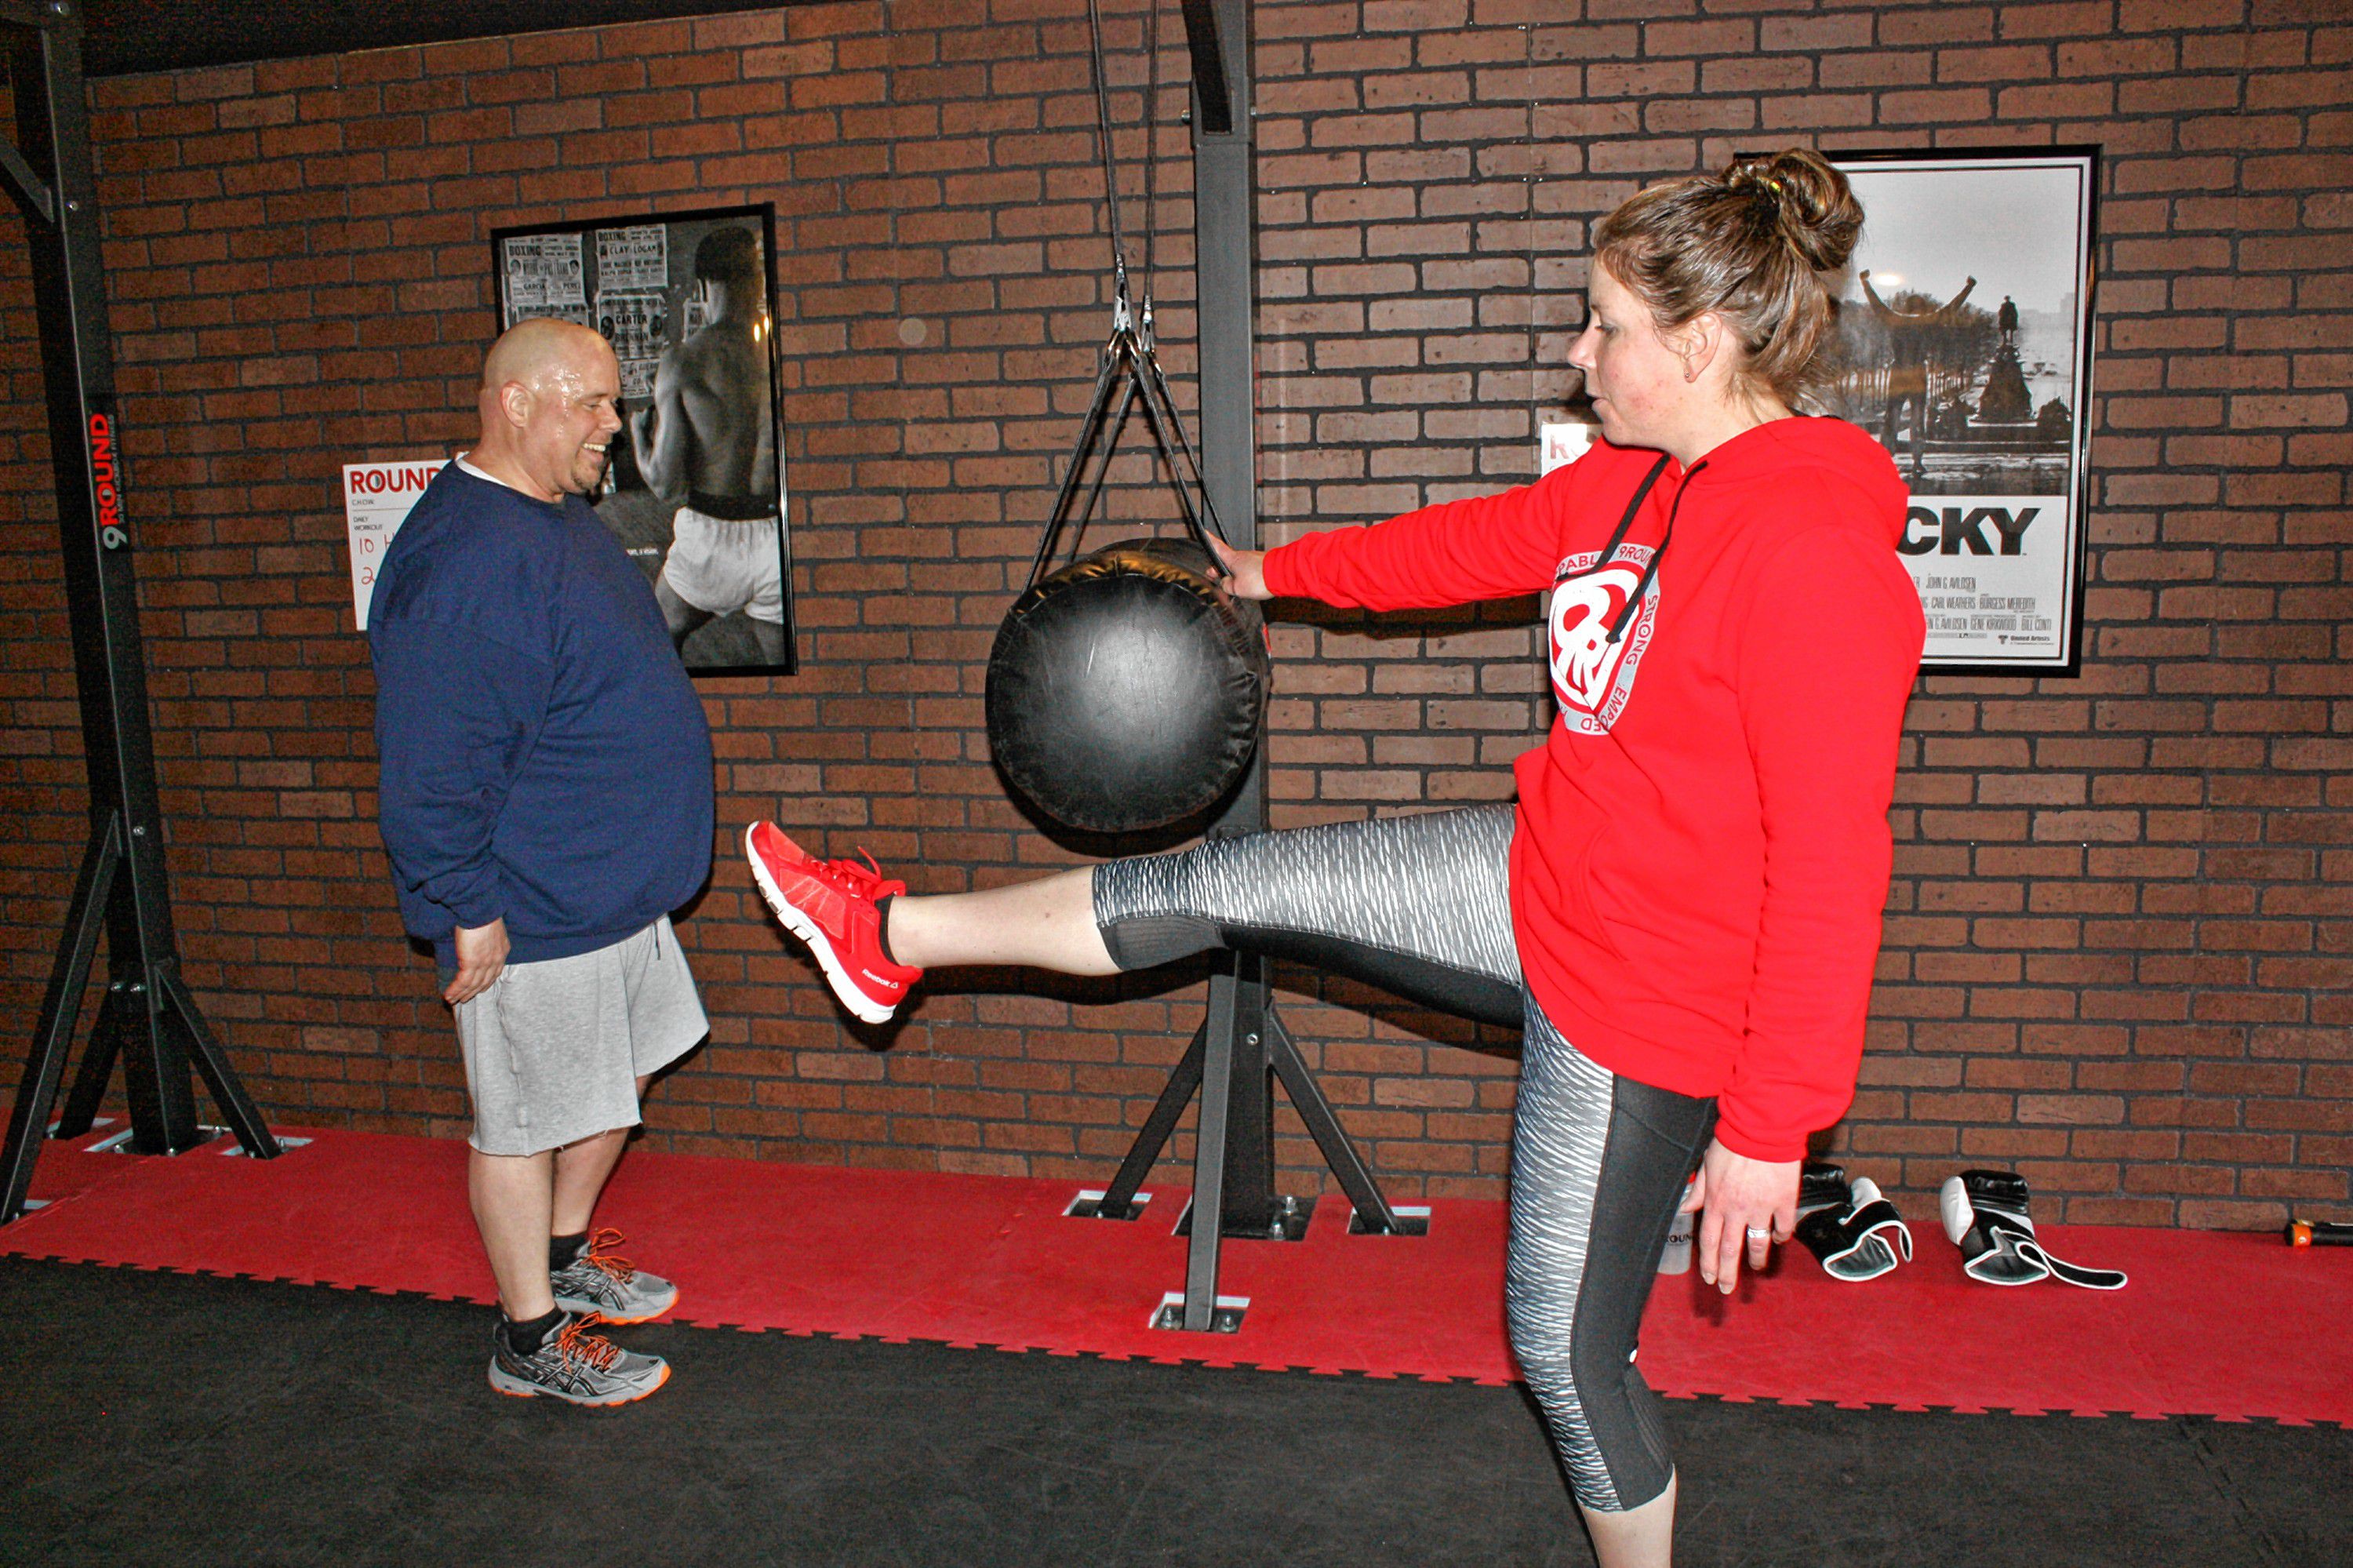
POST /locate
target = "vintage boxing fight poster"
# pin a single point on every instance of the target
(542, 276)
(635, 322)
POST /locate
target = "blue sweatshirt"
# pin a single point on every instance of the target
(546, 760)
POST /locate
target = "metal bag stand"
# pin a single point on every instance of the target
(1241, 1046)
(147, 1019)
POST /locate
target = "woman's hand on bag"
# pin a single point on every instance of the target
(1244, 570)
(1745, 1205)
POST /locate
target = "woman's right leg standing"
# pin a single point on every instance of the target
(1599, 1164)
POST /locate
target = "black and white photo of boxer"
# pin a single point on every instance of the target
(708, 443)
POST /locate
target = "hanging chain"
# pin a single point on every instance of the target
(1151, 163)
(1122, 317)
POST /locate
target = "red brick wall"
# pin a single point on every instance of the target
(2121, 929)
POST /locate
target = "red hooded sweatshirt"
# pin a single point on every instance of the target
(1702, 852)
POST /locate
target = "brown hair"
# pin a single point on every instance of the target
(1748, 244)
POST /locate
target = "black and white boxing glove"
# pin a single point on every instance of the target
(1859, 1238)
(1985, 1214)
(1821, 1185)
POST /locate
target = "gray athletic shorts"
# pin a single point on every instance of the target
(554, 1050)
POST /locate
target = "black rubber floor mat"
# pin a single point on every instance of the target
(157, 1418)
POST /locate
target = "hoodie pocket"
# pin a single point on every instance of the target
(1583, 908)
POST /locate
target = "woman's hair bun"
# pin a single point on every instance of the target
(1753, 244)
(1818, 214)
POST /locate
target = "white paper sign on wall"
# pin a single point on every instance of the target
(1559, 445)
(376, 499)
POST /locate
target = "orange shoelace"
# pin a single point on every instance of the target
(620, 1269)
(575, 1343)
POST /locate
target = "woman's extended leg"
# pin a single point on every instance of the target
(1048, 924)
(1418, 905)
(1599, 1164)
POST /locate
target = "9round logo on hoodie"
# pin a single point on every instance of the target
(1597, 638)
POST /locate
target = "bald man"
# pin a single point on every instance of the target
(547, 803)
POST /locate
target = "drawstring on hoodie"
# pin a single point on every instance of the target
(1650, 571)
(1618, 621)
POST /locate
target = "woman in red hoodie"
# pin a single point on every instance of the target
(1683, 911)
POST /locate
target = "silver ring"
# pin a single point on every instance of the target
(1758, 1232)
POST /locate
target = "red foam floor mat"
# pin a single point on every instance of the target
(2229, 1325)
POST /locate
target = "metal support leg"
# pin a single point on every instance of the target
(1119, 1198)
(180, 1013)
(53, 1035)
(156, 1086)
(1240, 1048)
(1209, 1161)
(1372, 1211)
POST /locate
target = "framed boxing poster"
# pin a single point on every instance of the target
(1965, 346)
(695, 486)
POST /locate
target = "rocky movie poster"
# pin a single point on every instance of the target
(1961, 346)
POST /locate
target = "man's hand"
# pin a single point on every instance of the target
(1746, 1206)
(481, 955)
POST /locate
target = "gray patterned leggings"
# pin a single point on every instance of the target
(1419, 905)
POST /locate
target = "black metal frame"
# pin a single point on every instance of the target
(147, 1018)
(1241, 1046)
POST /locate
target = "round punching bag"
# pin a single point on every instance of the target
(1126, 691)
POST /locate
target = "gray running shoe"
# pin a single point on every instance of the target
(576, 1365)
(597, 1281)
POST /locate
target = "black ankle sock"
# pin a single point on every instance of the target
(882, 925)
(563, 1252)
(525, 1338)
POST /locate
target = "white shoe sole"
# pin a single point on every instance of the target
(844, 989)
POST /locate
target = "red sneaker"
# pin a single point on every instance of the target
(829, 905)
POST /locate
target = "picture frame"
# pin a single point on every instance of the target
(1965, 346)
(694, 489)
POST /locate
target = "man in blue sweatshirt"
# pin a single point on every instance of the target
(546, 802)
